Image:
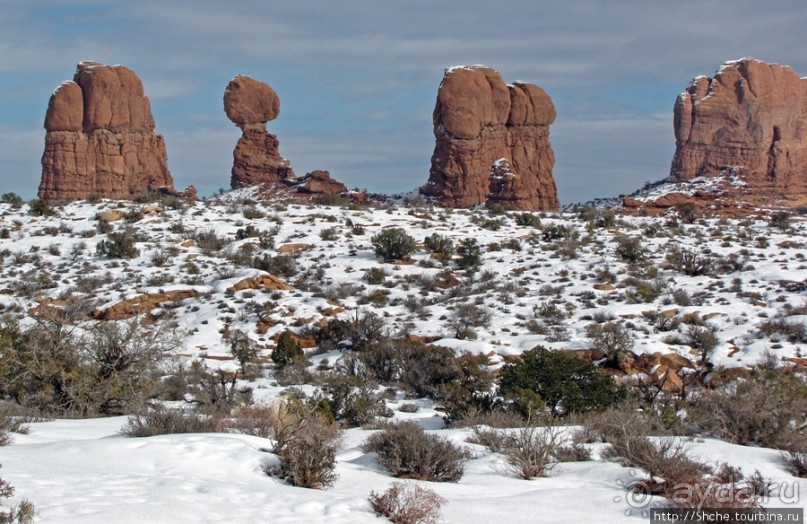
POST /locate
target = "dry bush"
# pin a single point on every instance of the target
(306, 445)
(408, 503)
(766, 409)
(530, 451)
(164, 421)
(409, 452)
(305, 442)
(574, 452)
(23, 513)
(616, 423)
(666, 459)
(256, 420)
(796, 462)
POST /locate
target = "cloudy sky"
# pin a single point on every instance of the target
(358, 78)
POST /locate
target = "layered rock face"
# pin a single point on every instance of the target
(101, 138)
(748, 122)
(250, 104)
(492, 142)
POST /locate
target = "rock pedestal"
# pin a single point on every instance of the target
(101, 138)
(749, 123)
(492, 142)
(250, 104)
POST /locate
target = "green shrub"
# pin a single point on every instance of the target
(119, 244)
(564, 382)
(469, 253)
(440, 245)
(393, 244)
(40, 208)
(287, 351)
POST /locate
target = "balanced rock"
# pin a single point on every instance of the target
(250, 104)
(101, 138)
(747, 124)
(492, 142)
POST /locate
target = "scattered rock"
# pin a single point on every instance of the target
(263, 281)
(110, 216)
(319, 182)
(291, 248)
(604, 287)
(492, 142)
(141, 304)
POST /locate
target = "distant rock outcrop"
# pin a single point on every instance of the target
(100, 138)
(492, 142)
(250, 104)
(749, 124)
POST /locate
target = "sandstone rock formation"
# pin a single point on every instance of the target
(320, 182)
(250, 104)
(101, 139)
(492, 142)
(748, 123)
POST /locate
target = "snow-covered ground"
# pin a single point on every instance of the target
(85, 471)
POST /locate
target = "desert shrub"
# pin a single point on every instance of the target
(740, 411)
(428, 370)
(23, 513)
(527, 219)
(630, 249)
(243, 349)
(357, 333)
(780, 220)
(691, 263)
(530, 451)
(687, 211)
(13, 199)
(702, 339)
(209, 242)
(440, 245)
(408, 503)
(280, 265)
(104, 368)
(574, 452)
(308, 458)
(467, 316)
(351, 400)
(796, 462)
(12, 420)
(564, 382)
(393, 244)
(793, 331)
(469, 254)
(613, 339)
(40, 208)
(165, 421)
(287, 351)
(375, 275)
(554, 232)
(405, 450)
(255, 419)
(664, 459)
(121, 244)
